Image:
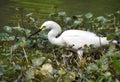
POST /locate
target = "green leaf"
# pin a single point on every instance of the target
(89, 15)
(100, 79)
(6, 54)
(67, 20)
(61, 72)
(107, 74)
(27, 32)
(38, 61)
(118, 12)
(62, 13)
(52, 15)
(11, 38)
(76, 23)
(65, 79)
(8, 29)
(49, 80)
(111, 36)
(4, 35)
(30, 73)
(22, 41)
(47, 68)
(110, 15)
(101, 19)
(15, 46)
(29, 14)
(2, 71)
(17, 67)
(116, 65)
(92, 67)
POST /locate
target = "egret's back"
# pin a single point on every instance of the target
(80, 38)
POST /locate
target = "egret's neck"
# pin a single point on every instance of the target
(52, 35)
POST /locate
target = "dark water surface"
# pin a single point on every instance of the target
(71, 7)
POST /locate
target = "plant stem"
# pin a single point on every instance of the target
(25, 54)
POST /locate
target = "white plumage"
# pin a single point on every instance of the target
(72, 38)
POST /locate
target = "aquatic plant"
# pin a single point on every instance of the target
(34, 59)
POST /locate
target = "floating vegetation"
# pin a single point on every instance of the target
(36, 60)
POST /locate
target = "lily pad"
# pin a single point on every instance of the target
(30, 73)
(46, 68)
(62, 13)
(67, 20)
(8, 29)
(89, 15)
(38, 61)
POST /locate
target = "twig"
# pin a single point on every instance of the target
(25, 54)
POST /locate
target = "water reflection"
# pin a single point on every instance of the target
(73, 7)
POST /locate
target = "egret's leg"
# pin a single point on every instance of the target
(80, 54)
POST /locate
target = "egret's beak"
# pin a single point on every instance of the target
(41, 28)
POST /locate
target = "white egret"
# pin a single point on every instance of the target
(75, 39)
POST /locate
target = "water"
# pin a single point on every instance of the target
(71, 7)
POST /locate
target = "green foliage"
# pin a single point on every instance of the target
(34, 59)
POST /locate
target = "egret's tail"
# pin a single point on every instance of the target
(104, 41)
(114, 42)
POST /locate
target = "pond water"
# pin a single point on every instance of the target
(71, 7)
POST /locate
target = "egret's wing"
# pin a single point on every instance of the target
(77, 38)
(76, 41)
(77, 33)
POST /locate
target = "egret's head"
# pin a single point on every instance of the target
(45, 25)
(49, 25)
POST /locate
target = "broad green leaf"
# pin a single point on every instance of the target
(15, 46)
(107, 74)
(89, 15)
(118, 12)
(116, 65)
(8, 29)
(17, 67)
(4, 35)
(11, 38)
(49, 80)
(2, 71)
(22, 41)
(61, 72)
(30, 73)
(62, 13)
(100, 79)
(101, 19)
(46, 68)
(27, 32)
(92, 67)
(52, 15)
(67, 20)
(65, 79)
(6, 54)
(38, 61)
(76, 23)
(111, 36)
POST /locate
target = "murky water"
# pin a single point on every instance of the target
(71, 7)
